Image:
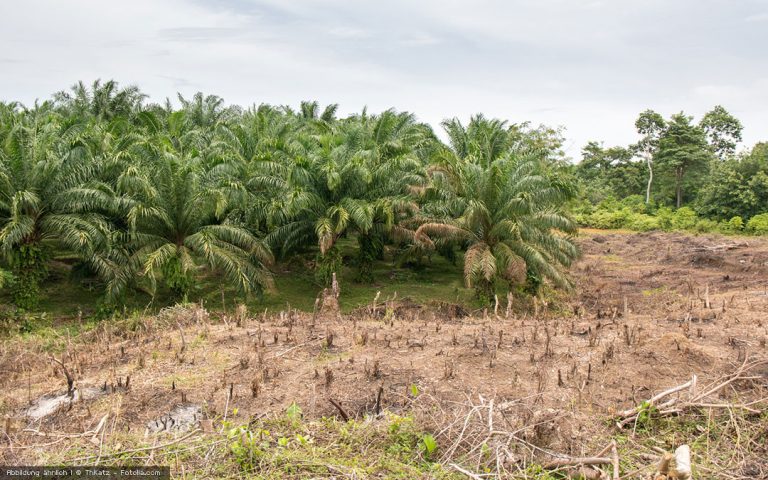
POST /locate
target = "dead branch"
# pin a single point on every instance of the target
(377, 409)
(343, 414)
(70, 379)
(655, 399)
(694, 400)
(465, 472)
(576, 461)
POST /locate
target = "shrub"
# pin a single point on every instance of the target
(705, 225)
(6, 278)
(609, 219)
(758, 224)
(665, 215)
(735, 224)
(642, 222)
(636, 203)
(684, 218)
(632, 213)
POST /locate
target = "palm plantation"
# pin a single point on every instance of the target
(146, 196)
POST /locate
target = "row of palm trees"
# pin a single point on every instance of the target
(144, 194)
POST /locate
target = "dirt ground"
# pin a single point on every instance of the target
(649, 311)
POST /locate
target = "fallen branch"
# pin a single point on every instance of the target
(722, 247)
(694, 400)
(465, 472)
(341, 410)
(655, 399)
(576, 461)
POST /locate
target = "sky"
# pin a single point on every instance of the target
(588, 66)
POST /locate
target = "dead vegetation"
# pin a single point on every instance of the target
(657, 349)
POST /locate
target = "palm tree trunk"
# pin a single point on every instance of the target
(484, 290)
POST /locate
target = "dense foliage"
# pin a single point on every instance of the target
(679, 175)
(140, 195)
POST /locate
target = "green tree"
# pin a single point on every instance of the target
(501, 206)
(49, 201)
(176, 217)
(682, 149)
(610, 171)
(103, 101)
(723, 131)
(736, 186)
(354, 180)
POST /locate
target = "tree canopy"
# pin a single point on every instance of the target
(145, 195)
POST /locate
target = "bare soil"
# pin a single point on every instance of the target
(649, 311)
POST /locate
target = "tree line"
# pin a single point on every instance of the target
(139, 195)
(678, 162)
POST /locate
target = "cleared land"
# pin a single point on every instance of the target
(503, 392)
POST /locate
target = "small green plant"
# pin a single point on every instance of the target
(646, 415)
(402, 435)
(538, 472)
(293, 413)
(428, 446)
(248, 446)
(414, 390)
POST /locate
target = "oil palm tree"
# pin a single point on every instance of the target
(176, 226)
(49, 200)
(103, 101)
(501, 206)
(353, 180)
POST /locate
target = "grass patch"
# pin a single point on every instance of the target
(654, 291)
(77, 304)
(286, 447)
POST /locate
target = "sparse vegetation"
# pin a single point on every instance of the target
(404, 390)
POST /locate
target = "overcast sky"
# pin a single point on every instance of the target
(589, 66)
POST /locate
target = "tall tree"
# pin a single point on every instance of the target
(723, 131)
(682, 147)
(176, 217)
(650, 125)
(353, 179)
(103, 101)
(736, 186)
(610, 172)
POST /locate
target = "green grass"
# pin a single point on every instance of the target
(65, 299)
(391, 447)
(437, 281)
